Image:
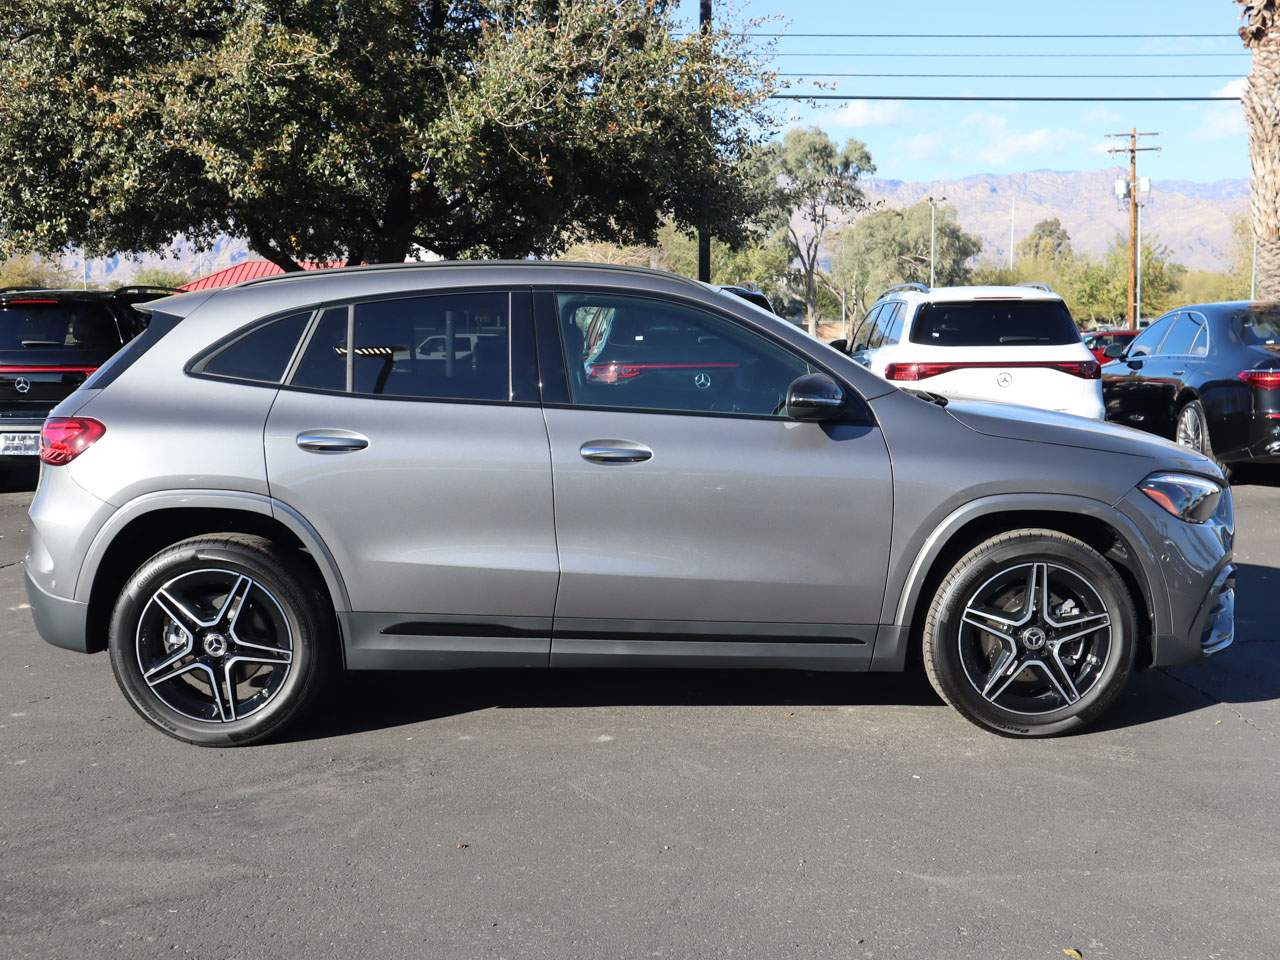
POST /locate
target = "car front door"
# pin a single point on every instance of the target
(408, 433)
(694, 520)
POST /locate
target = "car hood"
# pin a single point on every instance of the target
(1046, 426)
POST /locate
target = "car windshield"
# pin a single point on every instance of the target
(47, 324)
(1260, 326)
(992, 323)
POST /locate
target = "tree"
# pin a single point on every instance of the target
(26, 270)
(1260, 32)
(763, 263)
(816, 184)
(892, 246)
(1048, 242)
(161, 276)
(358, 131)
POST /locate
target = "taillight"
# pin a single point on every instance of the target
(1085, 369)
(1262, 379)
(65, 438)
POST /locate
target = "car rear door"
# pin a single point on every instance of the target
(694, 521)
(408, 433)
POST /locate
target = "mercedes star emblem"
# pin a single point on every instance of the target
(702, 380)
(1004, 379)
(22, 384)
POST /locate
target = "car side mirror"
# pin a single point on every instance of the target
(1114, 351)
(815, 397)
(842, 345)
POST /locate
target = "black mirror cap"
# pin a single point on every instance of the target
(815, 397)
(842, 345)
(1114, 351)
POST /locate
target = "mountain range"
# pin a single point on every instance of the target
(1195, 220)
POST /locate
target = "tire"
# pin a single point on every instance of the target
(1195, 432)
(223, 606)
(964, 655)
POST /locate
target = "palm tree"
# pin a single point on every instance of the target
(1260, 31)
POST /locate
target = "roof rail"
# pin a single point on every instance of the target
(443, 264)
(919, 287)
(1035, 285)
(20, 287)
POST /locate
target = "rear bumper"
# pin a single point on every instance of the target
(59, 621)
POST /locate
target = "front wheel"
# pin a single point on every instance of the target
(1032, 633)
(220, 640)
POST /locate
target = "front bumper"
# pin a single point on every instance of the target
(1192, 580)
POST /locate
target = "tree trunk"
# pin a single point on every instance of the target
(1261, 103)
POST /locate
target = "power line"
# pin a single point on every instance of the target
(1000, 36)
(1033, 76)
(936, 56)
(860, 96)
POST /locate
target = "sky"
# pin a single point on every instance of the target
(945, 140)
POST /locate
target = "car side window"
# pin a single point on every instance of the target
(645, 353)
(444, 346)
(863, 333)
(875, 331)
(262, 354)
(323, 365)
(1146, 343)
(1181, 336)
(1200, 346)
(893, 326)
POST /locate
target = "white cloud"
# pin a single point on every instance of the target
(1222, 121)
(995, 143)
(870, 113)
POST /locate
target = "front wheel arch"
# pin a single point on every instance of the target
(1109, 538)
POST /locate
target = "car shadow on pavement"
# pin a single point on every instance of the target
(1247, 673)
(372, 701)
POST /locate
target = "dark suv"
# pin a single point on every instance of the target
(50, 341)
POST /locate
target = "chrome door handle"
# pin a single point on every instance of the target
(1177, 373)
(331, 441)
(614, 451)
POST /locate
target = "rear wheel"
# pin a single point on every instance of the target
(1191, 429)
(1032, 633)
(220, 640)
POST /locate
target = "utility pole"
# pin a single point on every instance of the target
(704, 235)
(1133, 150)
(933, 236)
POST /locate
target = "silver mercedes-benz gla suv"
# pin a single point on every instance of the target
(546, 465)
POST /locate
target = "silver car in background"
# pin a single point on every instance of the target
(591, 466)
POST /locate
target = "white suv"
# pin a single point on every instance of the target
(1008, 344)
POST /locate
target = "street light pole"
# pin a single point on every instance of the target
(704, 235)
(933, 238)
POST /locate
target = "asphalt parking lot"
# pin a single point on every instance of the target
(677, 815)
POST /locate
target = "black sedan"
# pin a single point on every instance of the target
(1207, 376)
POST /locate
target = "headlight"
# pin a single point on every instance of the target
(1188, 497)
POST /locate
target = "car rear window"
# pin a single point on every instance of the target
(994, 323)
(38, 323)
(1260, 326)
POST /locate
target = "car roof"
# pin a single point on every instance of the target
(315, 286)
(985, 292)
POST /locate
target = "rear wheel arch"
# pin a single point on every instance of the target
(1106, 535)
(149, 531)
